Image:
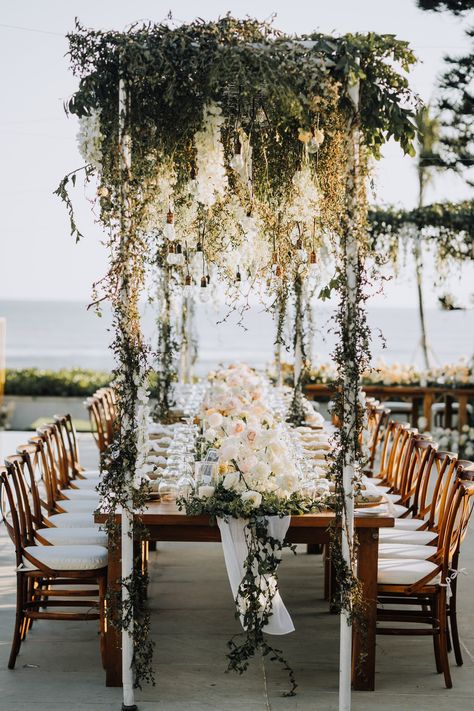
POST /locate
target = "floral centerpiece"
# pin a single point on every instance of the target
(257, 481)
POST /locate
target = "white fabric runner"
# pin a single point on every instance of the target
(235, 553)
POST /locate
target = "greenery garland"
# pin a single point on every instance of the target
(166, 352)
(447, 227)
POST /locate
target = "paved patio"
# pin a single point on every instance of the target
(192, 619)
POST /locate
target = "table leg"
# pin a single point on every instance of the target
(363, 660)
(462, 412)
(113, 638)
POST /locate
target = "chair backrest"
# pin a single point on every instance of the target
(459, 506)
(47, 472)
(420, 457)
(67, 434)
(377, 419)
(445, 464)
(14, 516)
(32, 472)
(49, 434)
(400, 456)
(98, 422)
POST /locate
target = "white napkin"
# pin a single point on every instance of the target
(235, 553)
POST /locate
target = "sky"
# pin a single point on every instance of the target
(39, 260)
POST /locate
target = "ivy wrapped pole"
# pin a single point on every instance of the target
(127, 511)
(350, 392)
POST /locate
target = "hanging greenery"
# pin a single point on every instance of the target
(447, 228)
(240, 137)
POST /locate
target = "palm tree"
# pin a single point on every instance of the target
(427, 160)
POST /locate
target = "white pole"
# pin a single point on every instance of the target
(127, 516)
(189, 338)
(350, 405)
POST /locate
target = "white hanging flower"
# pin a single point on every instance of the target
(211, 177)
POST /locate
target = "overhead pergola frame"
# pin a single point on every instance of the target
(146, 98)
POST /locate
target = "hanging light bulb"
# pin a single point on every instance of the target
(208, 278)
(188, 280)
(238, 276)
(278, 271)
(312, 257)
(171, 256)
(169, 226)
(203, 282)
(179, 256)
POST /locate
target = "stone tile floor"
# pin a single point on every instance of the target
(192, 619)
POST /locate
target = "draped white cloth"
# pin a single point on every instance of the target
(235, 553)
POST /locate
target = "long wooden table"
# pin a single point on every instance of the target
(166, 523)
(421, 399)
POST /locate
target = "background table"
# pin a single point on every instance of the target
(166, 523)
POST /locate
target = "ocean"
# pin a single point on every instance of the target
(57, 335)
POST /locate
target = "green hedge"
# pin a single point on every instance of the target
(74, 382)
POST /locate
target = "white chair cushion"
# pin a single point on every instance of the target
(91, 473)
(397, 535)
(405, 550)
(92, 536)
(79, 505)
(405, 571)
(409, 524)
(80, 494)
(73, 520)
(85, 484)
(68, 557)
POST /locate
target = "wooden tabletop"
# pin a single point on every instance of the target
(167, 514)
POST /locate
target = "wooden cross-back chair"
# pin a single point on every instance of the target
(423, 584)
(39, 568)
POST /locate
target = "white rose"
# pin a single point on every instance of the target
(287, 482)
(231, 480)
(252, 497)
(215, 420)
(261, 470)
(210, 435)
(229, 450)
(205, 491)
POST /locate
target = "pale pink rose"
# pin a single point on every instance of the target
(251, 436)
(248, 463)
(237, 427)
(215, 420)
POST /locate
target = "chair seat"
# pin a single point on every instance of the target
(80, 494)
(72, 520)
(405, 571)
(86, 484)
(92, 536)
(68, 557)
(79, 505)
(406, 550)
(409, 524)
(392, 535)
